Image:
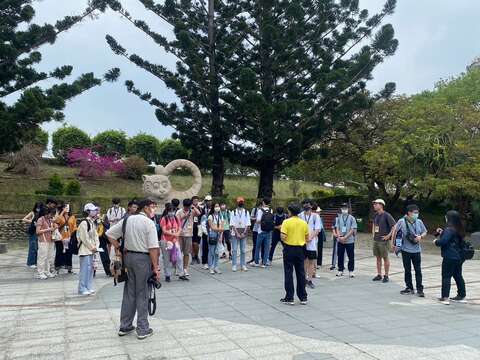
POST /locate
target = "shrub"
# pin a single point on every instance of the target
(93, 165)
(339, 191)
(40, 139)
(322, 193)
(26, 161)
(145, 146)
(73, 187)
(55, 185)
(170, 150)
(134, 167)
(67, 138)
(110, 143)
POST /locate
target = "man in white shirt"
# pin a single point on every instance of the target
(115, 213)
(141, 260)
(314, 226)
(239, 223)
(265, 228)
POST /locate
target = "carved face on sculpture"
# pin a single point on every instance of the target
(157, 186)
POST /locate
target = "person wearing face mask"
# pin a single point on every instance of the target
(141, 253)
(225, 214)
(88, 243)
(186, 217)
(278, 219)
(207, 206)
(314, 226)
(265, 228)
(216, 228)
(346, 226)
(46, 247)
(31, 219)
(412, 232)
(239, 222)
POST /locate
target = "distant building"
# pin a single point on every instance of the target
(474, 65)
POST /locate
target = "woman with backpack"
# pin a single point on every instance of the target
(215, 237)
(88, 244)
(31, 219)
(450, 241)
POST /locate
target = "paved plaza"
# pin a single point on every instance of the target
(238, 316)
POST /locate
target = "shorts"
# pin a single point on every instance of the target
(196, 238)
(380, 249)
(186, 245)
(310, 254)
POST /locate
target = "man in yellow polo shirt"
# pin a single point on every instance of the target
(294, 233)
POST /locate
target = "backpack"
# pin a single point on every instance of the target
(267, 222)
(74, 244)
(465, 249)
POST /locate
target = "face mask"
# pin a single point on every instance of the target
(94, 213)
(217, 209)
(344, 211)
(241, 205)
(171, 213)
(223, 208)
(307, 207)
(414, 217)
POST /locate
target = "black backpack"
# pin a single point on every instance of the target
(267, 223)
(466, 250)
(74, 245)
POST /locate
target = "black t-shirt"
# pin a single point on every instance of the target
(382, 225)
(278, 220)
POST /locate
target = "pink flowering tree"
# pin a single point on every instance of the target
(93, 165)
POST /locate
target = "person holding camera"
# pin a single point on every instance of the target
(140, 256)
(411, 230)
(186, 216)
(450, 241)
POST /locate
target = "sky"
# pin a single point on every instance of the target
(438, 39)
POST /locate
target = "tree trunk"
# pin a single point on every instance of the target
(265, 185)
(218, 166)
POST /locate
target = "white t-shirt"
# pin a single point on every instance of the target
(259, 219)
(239, 218)
(114, 214)
(314, 223)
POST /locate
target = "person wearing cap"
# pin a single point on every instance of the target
(383, 227)
(295, 234)
(411, 230)
(346, 226)
(88, 243)
(207, 205)
(239, 223)
(141, 254)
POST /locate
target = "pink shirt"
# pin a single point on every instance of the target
(171, 225)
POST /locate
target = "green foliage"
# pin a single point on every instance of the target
(41, 139)
(55, 185)
(145, 146)
(134, 168)
(19, 59)
(322, 193)
(73, 187)
(295, 186)
(170, 150)
(110, 142)
(67, 138)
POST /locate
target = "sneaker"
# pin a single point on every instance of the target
(211, 271)
(124, 332)
(310, 284)
(33, 266)
(51, 275)
(224, 256)
(205, 267)
(444, 301)
(263, 266)
(318, 267)
(377, 278)
(84, 293)
(42, 276)
(251, 261)
(269, 263)
(340, 273)
(244, 268)
(92, 292)
(459, 299)
(332, 268)
(185, 272)
(287, 301)
(183, 278)
(420, 293)
(317, 276)
(217, 270)
(146, 335)
(351, 274)
(385, 279)
(303, 302)
(254, 265)
(167, 278)
(407, 291)
(234, 268)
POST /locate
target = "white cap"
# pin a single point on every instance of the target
(379, 201)
(208, 198)
(90, 207)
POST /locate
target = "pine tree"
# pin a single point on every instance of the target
(19, 122)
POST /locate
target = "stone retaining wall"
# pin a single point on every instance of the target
(13, 230)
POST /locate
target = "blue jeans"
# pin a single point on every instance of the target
(263, 241)
(243, 246)
(32, 250)
(212, 256)
(85, 276)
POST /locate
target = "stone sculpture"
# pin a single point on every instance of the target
(159, 188)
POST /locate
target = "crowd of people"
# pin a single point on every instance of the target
(203, 232)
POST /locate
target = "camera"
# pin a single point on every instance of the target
(437, 233)
(152, 280)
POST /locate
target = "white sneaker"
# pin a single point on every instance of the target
(42, 276)
(84, 293)
(217, 270)
(185, 272)
(340, 273)
(263, 266)
(92, 292)
(212, 271)
(317, 276)
(205, 267)
(254, 265)
(244, 268)
(234, 268)
(351, 274)
(33, 266)
(51, 275)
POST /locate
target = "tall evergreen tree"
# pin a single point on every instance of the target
(19, 122)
